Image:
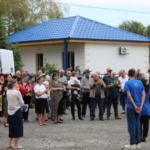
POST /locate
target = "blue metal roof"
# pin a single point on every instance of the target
(74, 28)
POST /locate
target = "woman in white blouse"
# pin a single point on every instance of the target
(14, 113)
(41, 101)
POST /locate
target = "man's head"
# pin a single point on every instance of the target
(131, 73)
(113, 75)
(141, 76)
(18, 73)
(87, 72)
(107, 70)
(47, 71)
(148, 71)
(27, 71)
(70, 68)
(96, 76)
(35, 74)
(109, 73)
(68, 74)
(98, 72)
(122, 73)
(138, 71)
(61, 72)
(133, 69)
(39, 72)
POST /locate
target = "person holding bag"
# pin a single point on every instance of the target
(15, 115)
(25, 89)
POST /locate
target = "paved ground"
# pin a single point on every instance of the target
(73, 135)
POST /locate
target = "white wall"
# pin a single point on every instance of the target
(102, 56)
(53, 53)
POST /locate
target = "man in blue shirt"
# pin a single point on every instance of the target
(29, 75)
(135, 100)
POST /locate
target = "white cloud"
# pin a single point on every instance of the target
(109, 2)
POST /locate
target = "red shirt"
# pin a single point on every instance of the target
(23, 90)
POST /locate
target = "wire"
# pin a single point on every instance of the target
(101, 8)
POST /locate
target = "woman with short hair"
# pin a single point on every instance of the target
(15, 115)
(41, 101)
(56, 88)
(77, 70)
(25, 89)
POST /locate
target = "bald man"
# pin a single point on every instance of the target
(97, 95)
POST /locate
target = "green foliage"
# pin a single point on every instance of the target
(20, 14)
(9, 46)
(51, 67)
(134, 27)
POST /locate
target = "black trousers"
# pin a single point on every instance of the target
(86, 100)
(78, 104)
(144, 125)
(27, 100)
(105, 101)
(65, 100)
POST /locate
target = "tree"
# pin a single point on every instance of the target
(20, 14)
(5, 45)
(134, 27)
(51, 67)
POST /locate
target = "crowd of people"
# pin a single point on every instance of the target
(51, 95)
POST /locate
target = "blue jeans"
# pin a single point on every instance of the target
(123, 97)
(133, 120)
(112, 99)
(72, 91)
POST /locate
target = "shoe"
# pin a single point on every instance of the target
(130, 146)
(101, 119)
(18, 147)
(36, 118)
(81, 119)
(91, 119)
(59, 122)
(123, 112)
(143, 139)
(107, 118)
(73, 118)
(117, 118)
(138, 146)
(6, 125)
(61, 119)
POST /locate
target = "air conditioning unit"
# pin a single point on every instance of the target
(124, 50)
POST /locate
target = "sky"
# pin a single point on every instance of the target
(113, 18)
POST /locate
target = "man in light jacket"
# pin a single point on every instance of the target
(86, 91)
(97, 95)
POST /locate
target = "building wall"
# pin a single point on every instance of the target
(102, 56)
(53, 53)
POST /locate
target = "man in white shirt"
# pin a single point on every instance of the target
(123, 96)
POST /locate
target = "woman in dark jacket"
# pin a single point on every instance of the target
(25, 89)
(145, 113)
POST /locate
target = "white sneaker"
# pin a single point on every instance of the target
(138, 146)
(130, 146)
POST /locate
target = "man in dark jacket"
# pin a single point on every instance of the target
(105, 79)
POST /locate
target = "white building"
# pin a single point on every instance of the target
(89, 44)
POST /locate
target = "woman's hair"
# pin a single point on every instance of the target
(1, 74)
(6, 75)
(11, 83)
(145, 85)
(77, 67)
(38, 78)
(73, 74)
(14, 77)
(24, 76)
(32, 77)
(55, 74)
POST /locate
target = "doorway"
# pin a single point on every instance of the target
(70, 59)
(39, 61)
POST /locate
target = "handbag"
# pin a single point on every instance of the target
(1, 100)
(24, 108)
